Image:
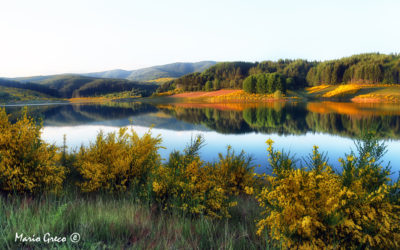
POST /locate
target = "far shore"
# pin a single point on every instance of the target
(354, 93)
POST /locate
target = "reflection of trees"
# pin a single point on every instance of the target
(288, 119)
(386, 126)
(284, 120)
(274, 118)
(218, 120)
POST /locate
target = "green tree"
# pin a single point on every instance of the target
(208, 86)
(217, 84)
(262, 83)
(249, 84)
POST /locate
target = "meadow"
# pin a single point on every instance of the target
(118, 193)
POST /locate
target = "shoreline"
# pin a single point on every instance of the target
(354, 93)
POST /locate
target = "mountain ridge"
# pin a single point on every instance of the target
(173, 70)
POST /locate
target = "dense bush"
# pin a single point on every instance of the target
(317, 208)
(118, 162)
(27, 163)
(233, 172)
(186, 185)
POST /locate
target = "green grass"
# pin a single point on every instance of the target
(120, 222)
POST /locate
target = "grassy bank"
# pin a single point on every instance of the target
(226, 95)
(120, 222)
(359, 93)
(367, 93)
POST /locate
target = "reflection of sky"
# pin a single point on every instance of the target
(252, 143)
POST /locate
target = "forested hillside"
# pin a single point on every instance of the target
(68, 86)
(30, 86)
(82, 86)
(259, 77)
(368, 68)
(363, 68)
(9, 95)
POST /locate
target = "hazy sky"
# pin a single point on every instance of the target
(59, 36)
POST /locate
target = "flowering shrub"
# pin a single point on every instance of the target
(117, 162)
(233, 172)
(365, 165)
(370, 219)
(371, 216)
(27, 164)
(318, 208)
(280, 162)
(185, 184)
(301, 209)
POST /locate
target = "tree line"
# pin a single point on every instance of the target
(362, 68)
(265, 83)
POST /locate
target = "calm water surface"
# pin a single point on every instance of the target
(293, 127)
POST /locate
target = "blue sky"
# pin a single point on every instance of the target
(50, 37)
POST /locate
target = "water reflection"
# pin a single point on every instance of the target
(295, 126)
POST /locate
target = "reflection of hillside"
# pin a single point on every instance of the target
(112, 114)
(83, 113)
(35, 111)
(343, 119)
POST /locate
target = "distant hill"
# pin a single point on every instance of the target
(82, 86)
(71, 85)
(99, 83)
(8, 95)
(29, 86)
(34, 79)
(116, 73)
(172, 70)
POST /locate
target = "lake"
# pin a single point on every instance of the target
(295, 127)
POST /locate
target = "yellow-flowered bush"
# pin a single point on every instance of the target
(369, 219)
(365, 165)
(234, 172)
(301, 209)
(185, 184)
(316, 208)
(279, 161)
(27, 164)
(115, 162)
(372, 211)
